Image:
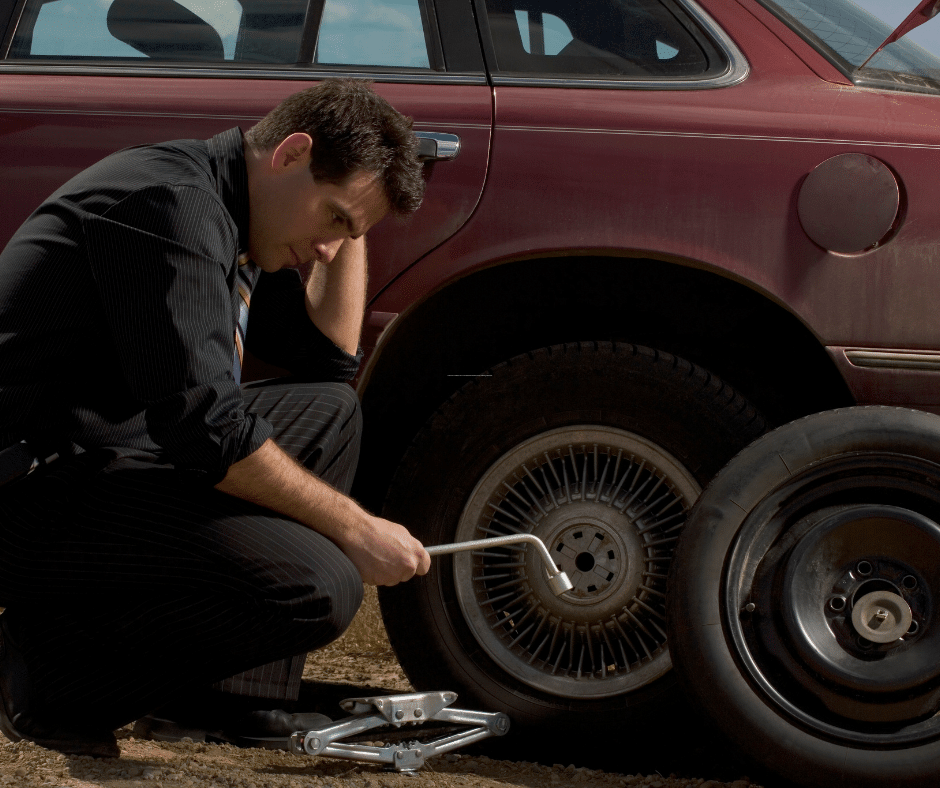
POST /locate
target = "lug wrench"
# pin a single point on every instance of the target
(557, 580)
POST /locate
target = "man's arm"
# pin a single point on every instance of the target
(336, 294)
(383, 552)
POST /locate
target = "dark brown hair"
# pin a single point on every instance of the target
(352, 128)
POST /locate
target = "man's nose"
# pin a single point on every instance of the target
(326, 250)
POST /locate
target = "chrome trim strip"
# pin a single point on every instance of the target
(213, 116)
(734, 74)
(870, 83)
(894, 359)
(308, 74)
(716, 136)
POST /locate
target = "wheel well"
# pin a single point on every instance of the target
(487, 317)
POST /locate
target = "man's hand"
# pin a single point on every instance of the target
(383, 552)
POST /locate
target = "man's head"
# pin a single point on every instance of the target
(324, 165)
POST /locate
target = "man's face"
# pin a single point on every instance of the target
(295, 220)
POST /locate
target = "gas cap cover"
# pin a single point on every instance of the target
(848, 203)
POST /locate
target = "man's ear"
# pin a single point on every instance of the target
(291, 152)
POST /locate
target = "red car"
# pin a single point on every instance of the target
(653, 229)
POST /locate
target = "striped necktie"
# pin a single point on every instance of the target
(246, 276)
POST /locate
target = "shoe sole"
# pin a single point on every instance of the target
(102, 749)
(158, 729)
(6, 727)
(96, 749)
(261, 742)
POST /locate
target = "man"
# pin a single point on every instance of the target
(194, 538)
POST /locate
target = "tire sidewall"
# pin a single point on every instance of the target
(701, 646)
(537, 393)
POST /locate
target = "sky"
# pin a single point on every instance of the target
(893, 12)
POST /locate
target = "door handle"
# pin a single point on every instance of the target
(435, 146)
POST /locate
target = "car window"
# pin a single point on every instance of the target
(352, 32)
(372, 33)
(201, 30)
(80, 28)
(849, 34)
(621, 38)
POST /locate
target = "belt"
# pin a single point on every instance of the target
(18, 460)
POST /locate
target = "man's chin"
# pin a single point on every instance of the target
(270, 266)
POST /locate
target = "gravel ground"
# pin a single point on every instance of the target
(358, 664)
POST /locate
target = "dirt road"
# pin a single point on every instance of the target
(355, 665)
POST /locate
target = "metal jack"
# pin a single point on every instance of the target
(396, 711)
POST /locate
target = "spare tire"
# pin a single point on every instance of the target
(804, 599)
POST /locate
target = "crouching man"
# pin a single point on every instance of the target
(194, 539)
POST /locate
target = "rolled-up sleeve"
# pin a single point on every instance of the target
(163, 262)
(281, 333)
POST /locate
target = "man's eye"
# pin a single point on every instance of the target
(337, 219)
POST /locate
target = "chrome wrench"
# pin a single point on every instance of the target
(557, 580)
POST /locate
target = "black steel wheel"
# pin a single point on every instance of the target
(598, 449)
(804, 599)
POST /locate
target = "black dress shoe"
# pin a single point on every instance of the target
(16, 723)
(269, 729)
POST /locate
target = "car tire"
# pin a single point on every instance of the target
(598, 448)
(804, 599)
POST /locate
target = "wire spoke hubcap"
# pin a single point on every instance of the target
(609, 506)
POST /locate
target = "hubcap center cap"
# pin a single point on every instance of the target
(598, 549)
(585, 562)
(881, 616)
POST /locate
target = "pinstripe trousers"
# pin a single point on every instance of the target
(126, 585)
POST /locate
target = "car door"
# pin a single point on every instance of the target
(82, 78)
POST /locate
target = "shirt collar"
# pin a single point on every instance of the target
(227, 154)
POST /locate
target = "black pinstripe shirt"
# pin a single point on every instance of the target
(118, 308)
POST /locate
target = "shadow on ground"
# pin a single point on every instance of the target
(683, 745)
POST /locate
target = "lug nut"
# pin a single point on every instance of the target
(864, 568)
(837, 604)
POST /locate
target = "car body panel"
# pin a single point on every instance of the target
(710, 178)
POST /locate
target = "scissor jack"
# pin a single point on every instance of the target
(398, 711)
